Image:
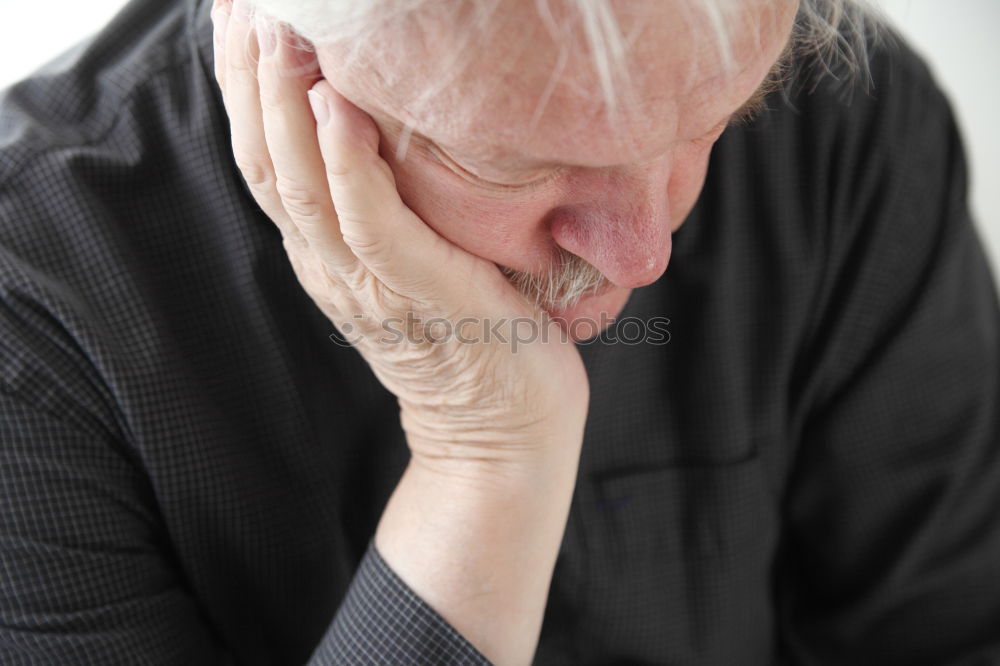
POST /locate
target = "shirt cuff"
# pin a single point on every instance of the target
(383, 621)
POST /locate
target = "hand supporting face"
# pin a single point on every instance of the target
(366, 259)
(475, 523)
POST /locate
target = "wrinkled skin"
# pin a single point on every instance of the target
(330, 178)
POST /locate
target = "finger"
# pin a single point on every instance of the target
(393, 243)
(287, 70)
(220, 20)
(242, 98)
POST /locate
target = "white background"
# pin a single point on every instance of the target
(961, 39)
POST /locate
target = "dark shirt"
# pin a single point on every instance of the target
(192, 469)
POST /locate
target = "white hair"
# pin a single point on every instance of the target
(832, 36)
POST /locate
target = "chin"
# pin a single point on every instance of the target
(593, 313)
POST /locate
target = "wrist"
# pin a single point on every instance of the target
(478, 543)
(481, 450)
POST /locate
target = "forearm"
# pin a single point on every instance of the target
(479, 544)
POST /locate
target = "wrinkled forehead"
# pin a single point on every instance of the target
(526, 75)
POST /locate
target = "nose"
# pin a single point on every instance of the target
(620, 223)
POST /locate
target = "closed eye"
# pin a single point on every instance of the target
(527, 184)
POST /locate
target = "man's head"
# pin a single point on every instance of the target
(562, 140)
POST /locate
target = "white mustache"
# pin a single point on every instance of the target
(564, 284)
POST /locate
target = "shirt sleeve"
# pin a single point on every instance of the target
(892, 542)
(82, 578)
(85, 581)
(382, 621)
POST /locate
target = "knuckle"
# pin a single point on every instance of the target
(359, 165)
(377, 256)
(364, 244)
(357, 279)
(299, 201)
(255, 173)
(329, 274)
(387, 300)
(239, 67)
(293, 243)
(240, 57)
(336, 167)
(272, 98)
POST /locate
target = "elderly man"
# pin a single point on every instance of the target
(343, 333)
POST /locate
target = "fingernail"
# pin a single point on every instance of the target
(241, 11)
(265, 36)
(321, 109)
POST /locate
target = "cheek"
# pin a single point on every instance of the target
(510, 229)
(501, 230)
(686, 181)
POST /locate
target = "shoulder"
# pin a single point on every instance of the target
(855, 153)
(100, 112)
(884, 183)
(77, 98)
(881, 150)
(853, 188)
(83, 141)
(857, 127)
